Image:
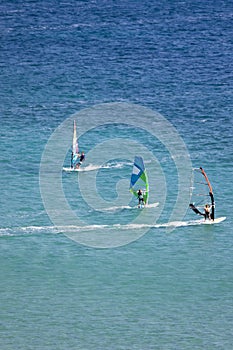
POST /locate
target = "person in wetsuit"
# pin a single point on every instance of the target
(81, 160)
(207, 212)
(140, 198)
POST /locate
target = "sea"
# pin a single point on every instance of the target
(81, 267)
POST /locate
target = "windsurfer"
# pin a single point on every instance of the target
(209, 209)
(81, 160)
(140, 198)
(139, 178)
(207, 212)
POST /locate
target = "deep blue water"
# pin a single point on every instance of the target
(168, 289)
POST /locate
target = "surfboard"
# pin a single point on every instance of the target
(216, 221)
(70, 169)
(128, 207)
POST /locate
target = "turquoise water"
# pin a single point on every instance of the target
(164, 289)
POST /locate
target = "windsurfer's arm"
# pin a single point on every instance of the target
(191, 206)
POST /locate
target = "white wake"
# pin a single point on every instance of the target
(152, 205)
(27, 230)
(93, 167)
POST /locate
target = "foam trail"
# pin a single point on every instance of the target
(152, 205)
(27, 230)
(93, 167)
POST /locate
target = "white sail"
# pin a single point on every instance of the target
(75, 154)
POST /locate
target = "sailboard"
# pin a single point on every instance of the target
(203, 196)
(139, 179)
(75, 149)
(128, 207)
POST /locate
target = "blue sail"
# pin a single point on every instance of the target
(138, 169)
(139, 178)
